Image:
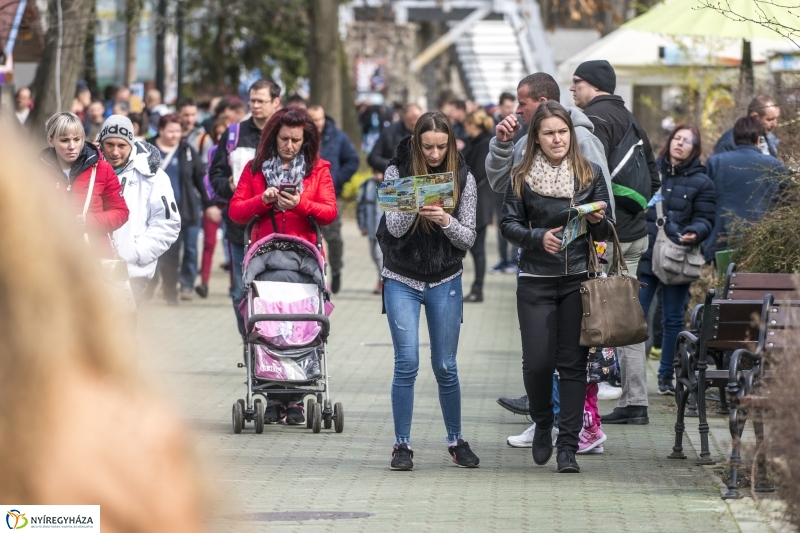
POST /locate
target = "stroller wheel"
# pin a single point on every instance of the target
(338, 417)
(259, 416)
(327, 415)
(316, 423)
(238, 418)
(310, 412)
(241, 402)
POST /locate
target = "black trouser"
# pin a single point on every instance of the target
(550, 311)
(478, 252)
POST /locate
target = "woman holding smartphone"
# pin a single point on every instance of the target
(286, 183)
(422, 257)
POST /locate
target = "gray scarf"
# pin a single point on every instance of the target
(275, 174)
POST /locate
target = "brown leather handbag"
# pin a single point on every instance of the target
(612, 313)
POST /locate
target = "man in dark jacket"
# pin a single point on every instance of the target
(265, 99)
(336, 148)
(766, 110)
(390, 137)
(745, 180)
(592, 87)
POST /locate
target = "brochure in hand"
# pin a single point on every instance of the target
(576, 221)
(409, 194)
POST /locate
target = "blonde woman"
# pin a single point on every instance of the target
(76, 424)
(75, 165)
(552, 176)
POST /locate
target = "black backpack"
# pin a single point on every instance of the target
(630, 176)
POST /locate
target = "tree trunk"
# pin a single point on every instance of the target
(75, 18)
(132, 11)
(349, 123)
(89, 67)
(324, 70)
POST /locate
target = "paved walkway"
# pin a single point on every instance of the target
(288, 479)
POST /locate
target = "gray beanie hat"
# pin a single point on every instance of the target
(118, 126)
(599, 73)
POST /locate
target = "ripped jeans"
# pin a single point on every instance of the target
(443, 307)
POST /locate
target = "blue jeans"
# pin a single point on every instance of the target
(674, 304)
(189, 262)
(443, 307)
(237, 252)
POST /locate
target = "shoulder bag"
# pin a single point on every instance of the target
(114, 271)
(674, 264)
(612, 313)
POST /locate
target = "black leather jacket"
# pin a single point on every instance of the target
(525, 221)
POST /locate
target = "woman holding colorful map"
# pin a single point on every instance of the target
(430, 198)
(552, 178)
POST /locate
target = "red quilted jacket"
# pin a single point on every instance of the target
(317, 200)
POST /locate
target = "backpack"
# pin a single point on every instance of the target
(230, 146)
(630, 175)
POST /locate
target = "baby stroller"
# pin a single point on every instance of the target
(285, 308)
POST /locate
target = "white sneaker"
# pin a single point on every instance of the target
(525, 440)
(607, 392)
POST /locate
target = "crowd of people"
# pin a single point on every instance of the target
(146, 179)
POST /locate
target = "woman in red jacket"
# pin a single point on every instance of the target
(286, 179)
(287, 159)
(72, 161)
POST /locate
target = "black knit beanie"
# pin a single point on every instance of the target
(598, 73)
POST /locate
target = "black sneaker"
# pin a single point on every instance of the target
(473, 297)
(463, 456)
(272, 413)
(202, 290)
(567, 463)
(632, 414)
(665, 386)
(336, 281)
(295, 415)
(542, 447)
(517, 406)
(401, 458)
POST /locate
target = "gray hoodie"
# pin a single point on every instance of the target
(504, 155)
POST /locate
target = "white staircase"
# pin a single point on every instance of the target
(490, 60)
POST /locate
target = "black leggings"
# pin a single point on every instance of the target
(478, 252)
(550, 311)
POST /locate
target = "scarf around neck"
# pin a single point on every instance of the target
(275, 174)
(555, 182)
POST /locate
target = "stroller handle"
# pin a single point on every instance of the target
(248, 229)
(322, 320)
(317, 230)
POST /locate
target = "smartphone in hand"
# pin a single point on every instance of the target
(291, 188)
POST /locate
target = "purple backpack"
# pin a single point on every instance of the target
(230, 146)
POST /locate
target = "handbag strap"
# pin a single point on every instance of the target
(88, 200)
(618, 264)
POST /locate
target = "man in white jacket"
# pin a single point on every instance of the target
(154, 222)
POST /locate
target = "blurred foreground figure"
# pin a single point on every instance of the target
(77, 426)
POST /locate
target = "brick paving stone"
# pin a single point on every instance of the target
(191, 352)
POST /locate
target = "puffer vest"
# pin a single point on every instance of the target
(426, 256)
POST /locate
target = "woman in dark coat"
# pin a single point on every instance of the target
(479, 127)
(689, 207)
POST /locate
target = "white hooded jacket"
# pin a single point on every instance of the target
(154, 222)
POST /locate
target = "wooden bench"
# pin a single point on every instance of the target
(741, 286)
(724, 326)
(747, 386)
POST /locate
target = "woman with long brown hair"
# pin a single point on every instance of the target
(552, 176)
(423, 256)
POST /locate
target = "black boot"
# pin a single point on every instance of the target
(567, 463)
(542, 447)
(336, 281)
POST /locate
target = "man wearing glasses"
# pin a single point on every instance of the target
(592, 89)
(236, 147)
